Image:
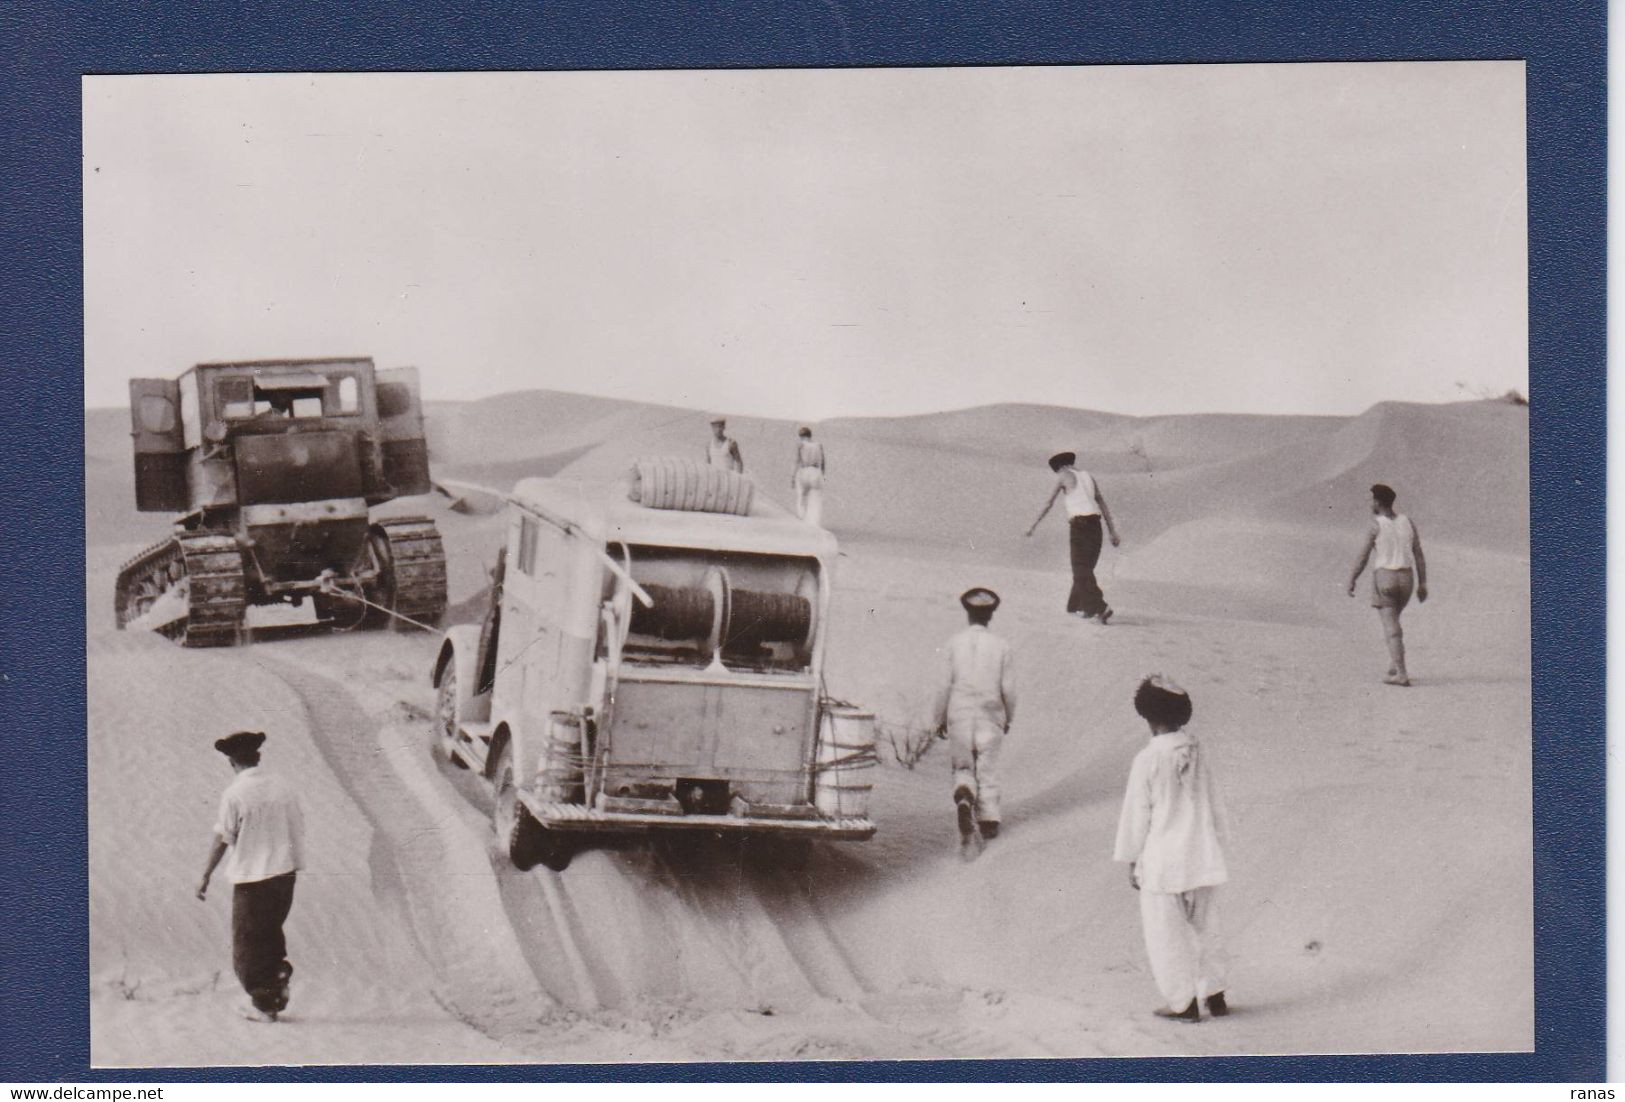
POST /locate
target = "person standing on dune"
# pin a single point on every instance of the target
(808, 481)
(975, 702)
(1085, 509)
(722, 450)
(262, 827)
(1171, 834)
(1398, 569)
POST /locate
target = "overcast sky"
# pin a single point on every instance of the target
(807, 244)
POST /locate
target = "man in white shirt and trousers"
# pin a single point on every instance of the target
(1171, 833)
(261, 826)
(975, 702)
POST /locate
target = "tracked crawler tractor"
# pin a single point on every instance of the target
(272, 468)
(652, 661)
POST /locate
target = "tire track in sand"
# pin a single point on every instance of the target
(441, 892)
(634, 931)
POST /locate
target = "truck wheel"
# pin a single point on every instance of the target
(446, 718)
(516, 832)
(555, 849)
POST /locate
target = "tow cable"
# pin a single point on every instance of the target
(329, 587)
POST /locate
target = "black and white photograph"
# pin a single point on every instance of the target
(807, 564)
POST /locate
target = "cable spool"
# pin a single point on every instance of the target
(677, 613)
(687, 485)
(735, 620)
(755, 619)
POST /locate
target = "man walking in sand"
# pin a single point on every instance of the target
(808, 480)
(975, 702)
(1171, 833)
(261, 826)
(1085, 510)
(1397, 570)
(722, 450)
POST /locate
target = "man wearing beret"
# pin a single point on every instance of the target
(261, 827)
(976, 699)
(1085, 509)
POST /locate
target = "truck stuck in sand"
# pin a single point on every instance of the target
(271, 467)
(651, 660)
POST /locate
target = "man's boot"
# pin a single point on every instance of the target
(1192, 1013)
(965, 806)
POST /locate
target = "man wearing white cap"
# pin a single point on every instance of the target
(976, 700)
(722, 450)
(1171, 833)
(262, 827)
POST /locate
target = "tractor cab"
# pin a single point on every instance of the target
(277, 462)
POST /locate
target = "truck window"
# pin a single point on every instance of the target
(236, 398)
(240, 400)
(277, 404)
(349, 395)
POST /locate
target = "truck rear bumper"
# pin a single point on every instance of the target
(575, 817)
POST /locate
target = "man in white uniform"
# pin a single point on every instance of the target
(262, 827)
(722, 450)
(1171, 833)
(976, 700)
(1397, 570)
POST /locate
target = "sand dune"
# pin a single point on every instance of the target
(1382, 872)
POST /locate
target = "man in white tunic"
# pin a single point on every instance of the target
(1171, 833)
(975, 702)
(261, 826)
(1398, 569)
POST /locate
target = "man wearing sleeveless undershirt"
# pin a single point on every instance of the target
(1397, 569)
(1086, 510)
(722, 450)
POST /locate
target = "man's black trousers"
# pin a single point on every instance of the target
(259, 953)
(1086, 596)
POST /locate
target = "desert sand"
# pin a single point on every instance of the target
(1381, 892)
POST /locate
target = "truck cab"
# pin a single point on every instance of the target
(651, 669)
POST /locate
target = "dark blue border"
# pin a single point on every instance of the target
(48, 46)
